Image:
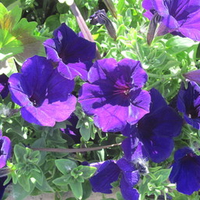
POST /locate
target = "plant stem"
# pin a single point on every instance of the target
(80, 150)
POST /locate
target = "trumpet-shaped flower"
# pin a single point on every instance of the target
(188, 102)
(125, 168)
(185, 171)
(5, 153)
(114, 95)
(179, 17)
(5, 149)
(71, 54)
(43, 94)
(156, 129)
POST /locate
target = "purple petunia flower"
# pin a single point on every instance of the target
(5, 149)
(4, 86)
(188, 102)
(185, 171)
(72, 130)
(5, 153)
(43, 94)
(127, 169)
(193, 76)
(156, 129)
(114, 95)
(179, 17)
(71, 54)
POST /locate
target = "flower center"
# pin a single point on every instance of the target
(35, 101)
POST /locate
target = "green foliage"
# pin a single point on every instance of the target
(73, 176)
(16, 36)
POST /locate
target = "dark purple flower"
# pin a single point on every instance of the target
(126, 169)
(5, 149)
(193, 76)
(188, 102)
(179, 17)
(114, 95)
(156, 129)
(185, 171)
(4, 86)
(71, 54)
(43, 94)
(72, 129)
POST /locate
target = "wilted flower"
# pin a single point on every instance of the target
(71, 54)
(4, 86)
(185, 171)
(43, 94)
(114, 95)
(100, 17)
(188, 102)
(156, 129)
(125, 168)
(179, 17)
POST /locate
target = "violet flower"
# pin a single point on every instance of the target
(193, 76)
(156, 129)
(185, 171)
(4, 86)
(43, 94)
(5, 153)
(125, 168)
(72, 130)
(188, 102)
(179, 17)
(71, 54)
(114, 95)
(5, 149)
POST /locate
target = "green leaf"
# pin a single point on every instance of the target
(77, 189)
(87, 189)
(26, 183)
(65, 165)
(19, 152)
(177, 44)
(62, 181)
(87, 171)
(9, 45)
(163, 175)
(37, 176)
(45, 187)
(19, 193)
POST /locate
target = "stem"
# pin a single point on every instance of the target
(80, 150)
(83, 26)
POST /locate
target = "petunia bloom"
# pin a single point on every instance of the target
(114, 95)
(193, 76)
(5, 153)
(156, 129)
(125, 168)
(72, 130)
(43, 94)
(188, 102)
(185, 171)
(71, 54)
(4, 86)
(5, 149)
(179, 17)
